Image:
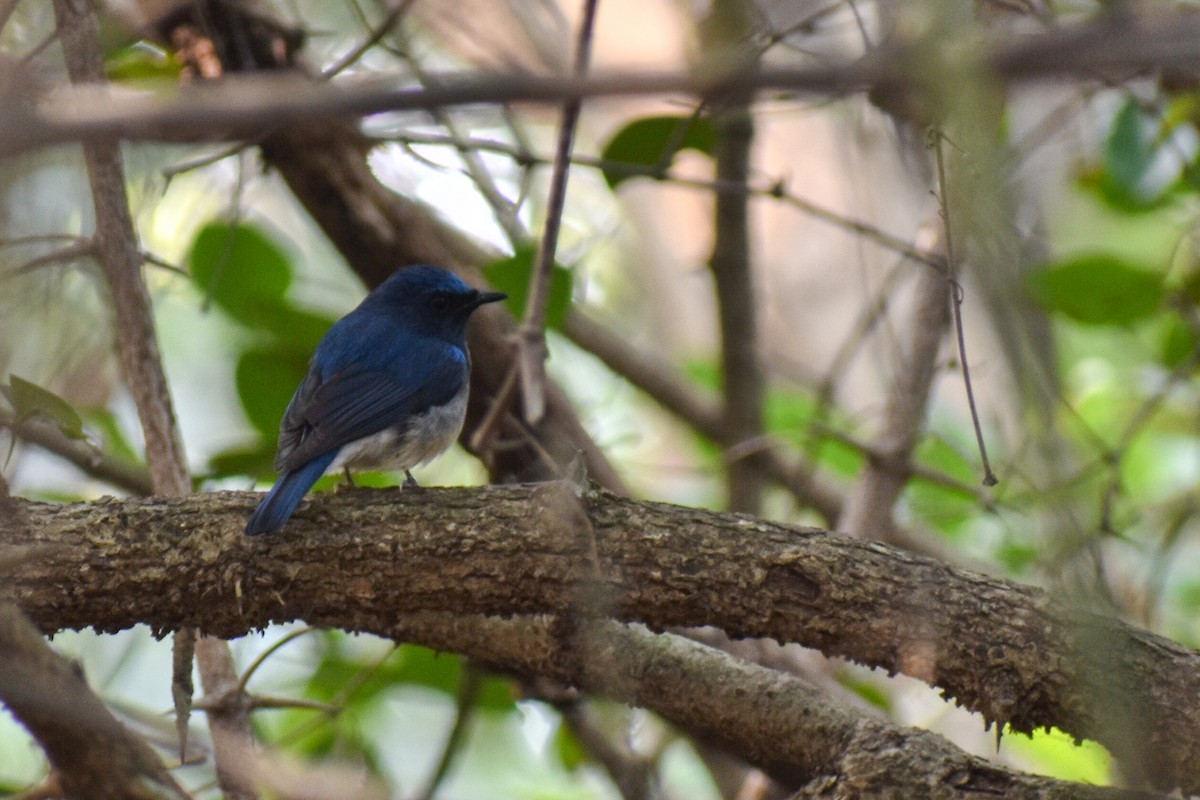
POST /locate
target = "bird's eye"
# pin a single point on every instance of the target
(439, 302)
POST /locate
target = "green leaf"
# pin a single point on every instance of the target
(649, 145)
(257, 460)
(1130, 148)
(571, 753)
(298, 331)
(945, 509)
(29, 400)
(266, 380)
(867, 689)
(1097, 289)
(1179, 342)
(116, 443)
(512, 276)
(409, 664)
(242, 269)
(140, 62)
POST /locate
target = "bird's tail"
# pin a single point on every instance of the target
(289, 490)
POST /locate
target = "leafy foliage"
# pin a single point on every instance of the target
(513, 275)
(28, 400)
(648, 145)
(1098, 289)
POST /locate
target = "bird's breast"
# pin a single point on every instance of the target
(418, 439)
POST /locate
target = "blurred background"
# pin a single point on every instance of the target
(1071, 207)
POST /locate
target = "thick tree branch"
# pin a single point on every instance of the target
(995, 646)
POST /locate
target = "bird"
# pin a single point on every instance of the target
(386, 388)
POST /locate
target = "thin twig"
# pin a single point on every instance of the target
(82, 246)
(470, 685)
(206, 160)
(531, 335)
(381, 30)
(236, 108)
(743, 385)
(248, 673)
(503, 209)
(698, 408)
(356, 682)
(989, 477)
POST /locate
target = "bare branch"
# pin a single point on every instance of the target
(743, 386)
(132, 478)
(1117, 45)
(869, 506)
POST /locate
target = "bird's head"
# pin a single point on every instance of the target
(431, 300)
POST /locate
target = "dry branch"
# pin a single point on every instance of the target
(1111, 47)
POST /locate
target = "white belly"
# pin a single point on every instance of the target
(423, 438)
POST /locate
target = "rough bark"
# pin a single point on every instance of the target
(361, 560)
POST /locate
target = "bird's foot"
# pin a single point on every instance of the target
(409, 481)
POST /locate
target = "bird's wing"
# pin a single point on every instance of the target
(356, 402)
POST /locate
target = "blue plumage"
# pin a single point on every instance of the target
(386, 388)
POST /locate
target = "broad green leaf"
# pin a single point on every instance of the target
(647, 146)
(408, 665)
(512, 276)
(1097, 289)
(299, 330)
(1129, 150)
(1016, 555)
(29, 400)
(266, 380)
(242, 269)
(1129, 153)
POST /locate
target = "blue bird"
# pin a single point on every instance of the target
(386, 388)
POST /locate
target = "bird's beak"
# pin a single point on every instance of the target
(483, 298)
